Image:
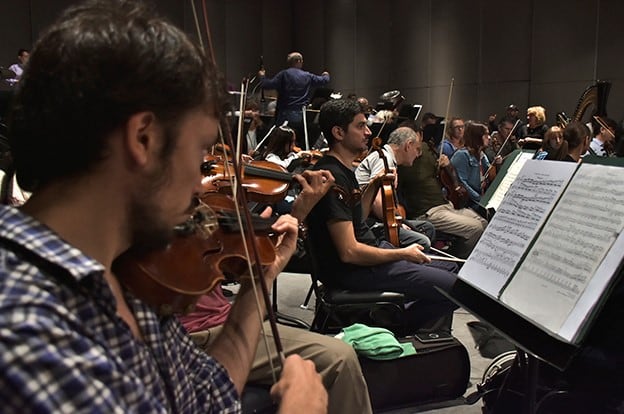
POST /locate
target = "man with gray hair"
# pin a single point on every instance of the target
(403, 147)
(294, 87)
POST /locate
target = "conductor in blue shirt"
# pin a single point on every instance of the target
(294, 87)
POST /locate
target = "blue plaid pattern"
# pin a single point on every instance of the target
(63, 349)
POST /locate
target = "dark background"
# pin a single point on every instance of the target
(527, 52)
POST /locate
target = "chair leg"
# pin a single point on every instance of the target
(305, 303)
(283, 318)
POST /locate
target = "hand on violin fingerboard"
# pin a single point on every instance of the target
(314, 185)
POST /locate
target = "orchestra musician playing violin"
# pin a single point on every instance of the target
(403, 147)
(335, 360)
(281, 148)
(603, 143)
(502, 141)
(114, 114)
(421, 191)
(254, 128)
(352, 257)
(471, 163)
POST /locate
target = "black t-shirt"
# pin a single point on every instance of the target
(537, 132)
(340, 204)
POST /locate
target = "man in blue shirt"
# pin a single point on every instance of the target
(114, 114)
(294, 87)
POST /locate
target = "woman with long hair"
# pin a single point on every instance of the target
(554, 147)
(280, 148)
(472, 164)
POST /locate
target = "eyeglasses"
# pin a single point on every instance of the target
(459, 127)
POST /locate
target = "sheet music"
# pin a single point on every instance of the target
(558, 269)
(532, 195)
(509, 178)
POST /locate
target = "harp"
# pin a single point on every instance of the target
(593, 102)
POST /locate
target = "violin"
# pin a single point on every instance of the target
(490, 173)
(488, 178)
(447, 176)
(392, 211)
(263, 181)
(205, 250)
(310, 157)
(221, 149)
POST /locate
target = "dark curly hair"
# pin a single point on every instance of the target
(339, 112)
(99, 64)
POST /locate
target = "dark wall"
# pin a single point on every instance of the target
(526, 52)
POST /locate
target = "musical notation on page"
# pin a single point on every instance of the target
(508, 179)
(524, 209)
(568, 255)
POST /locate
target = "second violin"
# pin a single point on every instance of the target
(262, 180)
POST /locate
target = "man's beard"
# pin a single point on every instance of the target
(149, 230)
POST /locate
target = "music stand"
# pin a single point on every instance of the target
(532, 343)
(433, 133)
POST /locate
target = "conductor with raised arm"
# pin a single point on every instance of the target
(114, 113)
(294, 87)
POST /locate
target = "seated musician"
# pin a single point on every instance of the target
(471, 163)
(253, 127)
(455, 136)
(576, 135)
(116, 167)
(423, 199)
(503, 140)
(532, 133)
(403, 147)
(281, 149)
(352, 258)
(603, 143)
(554, 147)
(334, 360)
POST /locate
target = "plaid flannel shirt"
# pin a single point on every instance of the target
(64, 349)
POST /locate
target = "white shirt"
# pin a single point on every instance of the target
(17, 69)
(373, 165)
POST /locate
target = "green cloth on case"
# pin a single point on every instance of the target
(376, 343)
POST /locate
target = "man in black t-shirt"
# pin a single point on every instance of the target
(350, 255)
